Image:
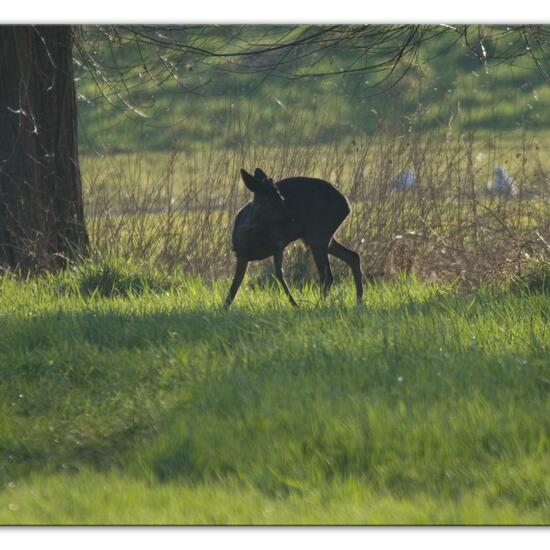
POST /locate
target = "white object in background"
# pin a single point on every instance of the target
(480, 156)
(404, 181)
(502, 183)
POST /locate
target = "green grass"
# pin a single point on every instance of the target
(128, 396)
(447, 84)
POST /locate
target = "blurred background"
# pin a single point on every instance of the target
(437, 134)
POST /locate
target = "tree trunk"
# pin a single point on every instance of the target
(41, 208)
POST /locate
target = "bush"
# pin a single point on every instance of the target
(535, 275)
(114, 277)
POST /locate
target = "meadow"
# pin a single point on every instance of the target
(183, 101)
(130, 397)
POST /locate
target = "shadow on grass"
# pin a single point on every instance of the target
(118, 330)
(261, 413)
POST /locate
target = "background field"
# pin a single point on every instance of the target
(162, 182)
(184, 102)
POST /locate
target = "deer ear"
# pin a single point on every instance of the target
(260, 174)
(254, 184)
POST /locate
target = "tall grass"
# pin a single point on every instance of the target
(175, 209)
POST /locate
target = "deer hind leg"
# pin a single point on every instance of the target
(240, 270)
(320, 256)
(352, 259)
(278, 263)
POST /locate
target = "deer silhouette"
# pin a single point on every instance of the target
(295, 208)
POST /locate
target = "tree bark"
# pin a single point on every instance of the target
(41, 206)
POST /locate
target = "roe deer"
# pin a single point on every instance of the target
(294, 208)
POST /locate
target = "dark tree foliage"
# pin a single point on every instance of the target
(41, 208)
